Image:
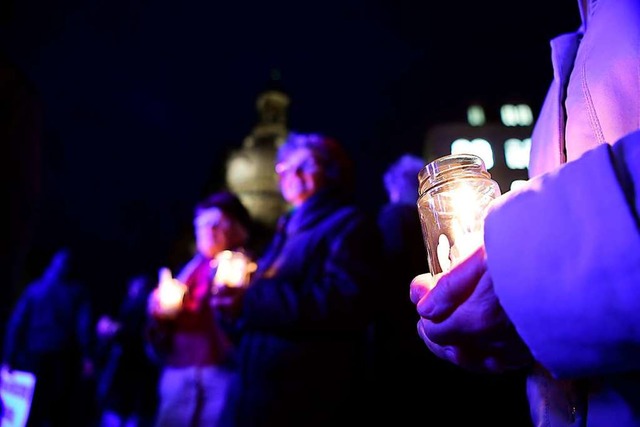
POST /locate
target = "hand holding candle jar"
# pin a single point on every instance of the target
(166, 299)
(454, 193)
(232, 269)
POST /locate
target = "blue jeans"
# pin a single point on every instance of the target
(192, 396)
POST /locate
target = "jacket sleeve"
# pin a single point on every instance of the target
(564, 254)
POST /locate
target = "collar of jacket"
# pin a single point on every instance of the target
(315, 209)
(586, 10)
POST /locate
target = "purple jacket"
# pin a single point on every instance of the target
(564, 252)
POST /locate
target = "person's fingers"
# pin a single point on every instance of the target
(420, 286)
(453, 287)
(481, 354)
(445, 352)
(477, 316)
(464, 357)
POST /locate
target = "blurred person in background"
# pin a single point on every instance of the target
(50, 335)
(396, 340)
(127, 381)
(196, 355)
(304, 322)
(397, 346)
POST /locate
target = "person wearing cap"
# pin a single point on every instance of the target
(195, 352)
(304, 319)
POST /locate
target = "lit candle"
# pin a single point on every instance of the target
(233, 269)
(455, 192)
(467, 208)
(170, 293)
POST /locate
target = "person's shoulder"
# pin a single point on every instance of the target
(33, 289)
(353, 216)
(338, 211)
(398, 209)
(76, 289)
(351, 211)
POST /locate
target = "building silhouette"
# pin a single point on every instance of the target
(250, 169)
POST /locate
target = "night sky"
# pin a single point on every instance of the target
(144, 99)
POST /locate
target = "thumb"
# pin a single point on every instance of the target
(453, 287)
(421, 285)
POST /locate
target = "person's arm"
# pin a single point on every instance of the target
(15, 332)
(331, 289)
(84, 333)
(564, 255)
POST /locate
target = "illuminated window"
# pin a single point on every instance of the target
(516, 153)
(517, 184)
(475, 115)
(516, 115)
(480, 147)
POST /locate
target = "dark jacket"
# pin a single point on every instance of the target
(305, 322)
(398, 344)
(50, 334)
(128, 380)
(52, 316)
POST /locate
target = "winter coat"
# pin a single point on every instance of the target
(304, 348)
(564, 252)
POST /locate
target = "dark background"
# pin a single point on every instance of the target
(143, 100)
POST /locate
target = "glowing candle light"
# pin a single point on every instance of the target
(233, 269)
(455, 192)
(170, 293)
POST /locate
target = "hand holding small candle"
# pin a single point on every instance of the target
(166, 299)
(233, 269)
(232, 276)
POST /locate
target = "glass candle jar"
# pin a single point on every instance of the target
(453, 195)
(232, 269)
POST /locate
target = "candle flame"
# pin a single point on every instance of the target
(170, 292)
(233, 269)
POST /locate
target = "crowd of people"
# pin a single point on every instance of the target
(337, 320)
(320, 335)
